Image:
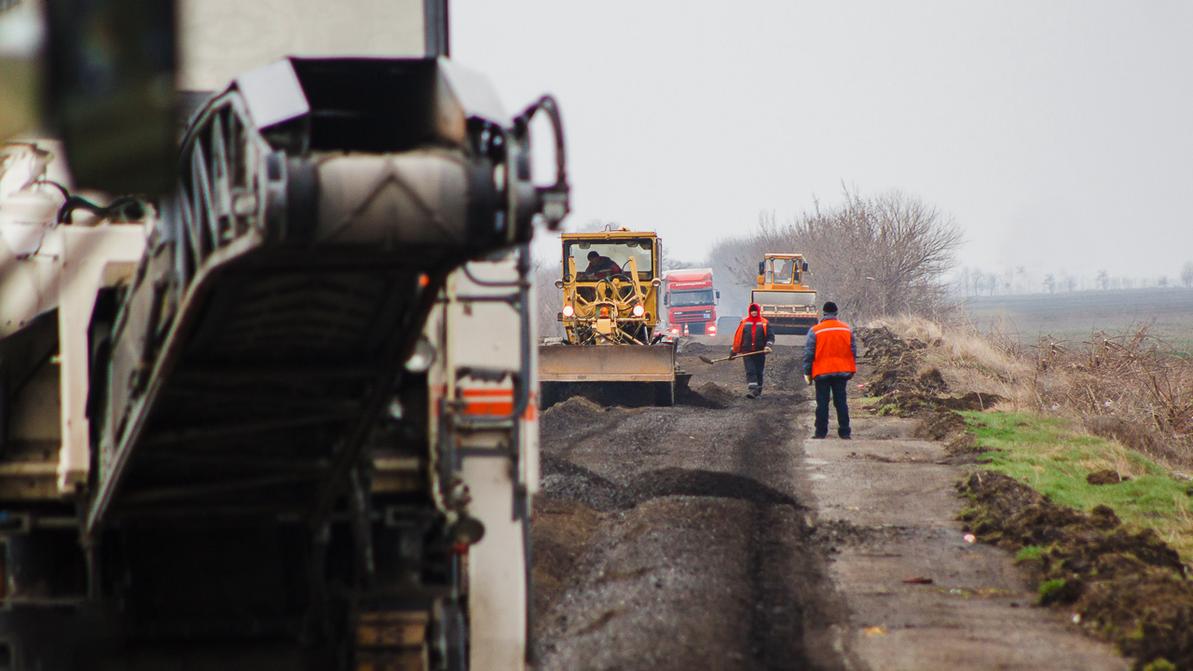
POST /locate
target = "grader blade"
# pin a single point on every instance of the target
(617, 374)
(614, 363)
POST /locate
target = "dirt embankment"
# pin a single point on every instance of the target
(1127, 587)
(905, 387)
(673, 538)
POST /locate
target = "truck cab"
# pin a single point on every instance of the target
(781, 289)
(691, 302)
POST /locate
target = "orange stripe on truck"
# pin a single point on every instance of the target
(492, 408)
(488, 402)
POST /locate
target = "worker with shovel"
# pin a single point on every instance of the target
(830, 359)
(752, 343)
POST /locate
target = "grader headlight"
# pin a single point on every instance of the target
(639, 310)
(568, 310)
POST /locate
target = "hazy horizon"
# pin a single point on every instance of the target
(1059, 135)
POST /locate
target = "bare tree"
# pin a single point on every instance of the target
(1102, 281)
(883, 254)
(676, 264)
(1187, 275)
(1050, 283)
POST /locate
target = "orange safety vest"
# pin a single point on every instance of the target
(833, 351)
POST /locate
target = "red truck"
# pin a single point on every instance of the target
(691, 301)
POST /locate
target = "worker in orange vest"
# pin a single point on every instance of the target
(830, 359)
(753, 335)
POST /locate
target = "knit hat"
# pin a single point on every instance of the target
(830, 308)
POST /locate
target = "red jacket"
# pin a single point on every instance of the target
(753, 333)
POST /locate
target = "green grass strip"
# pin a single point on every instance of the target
(1051, 456)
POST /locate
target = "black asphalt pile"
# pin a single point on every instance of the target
(689, 347)
(569, 412)
(564, 480)
(708, 395)
(1127, 587)
(561, 479)
(673, 537)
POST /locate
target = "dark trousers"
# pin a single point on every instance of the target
(836, 387)
(754, 365)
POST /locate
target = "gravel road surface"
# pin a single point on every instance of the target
(712, 535)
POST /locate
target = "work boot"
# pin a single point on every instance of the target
(758, 392)
(752, 391)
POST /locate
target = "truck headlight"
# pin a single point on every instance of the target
(568, 310)
(638, 310)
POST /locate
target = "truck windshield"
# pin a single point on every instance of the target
(612, 257)
(682, 299)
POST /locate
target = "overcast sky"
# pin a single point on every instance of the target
(1059, 135)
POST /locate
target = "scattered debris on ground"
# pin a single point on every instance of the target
(1128, 587)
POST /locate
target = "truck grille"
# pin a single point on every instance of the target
(691, 315)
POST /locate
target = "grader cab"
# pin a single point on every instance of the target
(611, 283)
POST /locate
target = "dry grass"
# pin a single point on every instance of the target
(968, 360)
(1130, 388)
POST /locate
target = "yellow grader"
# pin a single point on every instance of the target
(787, 301)
(611, 285)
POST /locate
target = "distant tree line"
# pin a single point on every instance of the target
(978, 282)
(872, 255)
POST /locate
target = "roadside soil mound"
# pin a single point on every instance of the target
(895, 361)
(918, 402)
(906, 389)
(1129, 588)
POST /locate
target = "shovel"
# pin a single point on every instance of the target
(734, 356)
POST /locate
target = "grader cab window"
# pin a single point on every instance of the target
(612, 258)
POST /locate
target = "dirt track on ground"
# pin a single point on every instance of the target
(704, 536)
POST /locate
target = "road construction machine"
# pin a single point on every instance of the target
(611, 287)
(786, 299)
(283, 417)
